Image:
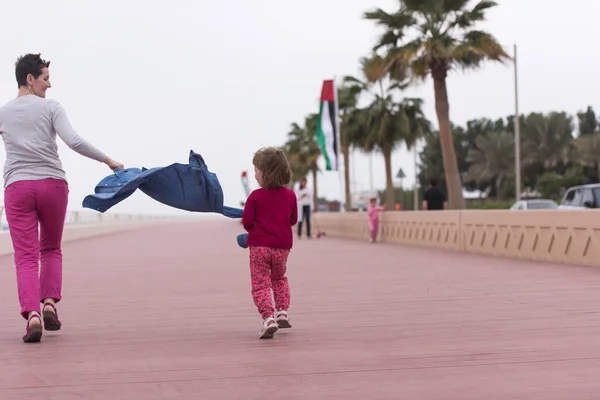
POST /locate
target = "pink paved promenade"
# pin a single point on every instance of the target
(166, 313)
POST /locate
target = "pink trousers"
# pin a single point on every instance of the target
(373, 228)
(267, 272)
(27, 204)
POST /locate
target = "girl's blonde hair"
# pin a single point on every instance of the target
(274, 166)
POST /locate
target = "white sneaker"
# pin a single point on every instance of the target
(268, 329)
(283, 320)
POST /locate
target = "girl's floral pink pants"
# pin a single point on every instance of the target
(267, 272)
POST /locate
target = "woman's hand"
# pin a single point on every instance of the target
(112, 164)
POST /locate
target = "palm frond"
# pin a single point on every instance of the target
(427, 34)
(476, 47)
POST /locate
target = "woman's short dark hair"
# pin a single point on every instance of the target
(275, 168)
(29, 64)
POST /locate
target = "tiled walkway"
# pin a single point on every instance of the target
(166, 313)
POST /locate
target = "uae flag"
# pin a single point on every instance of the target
(327, 128)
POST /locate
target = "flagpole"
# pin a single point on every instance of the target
(371, 171)
(517, 123)
(339, 145)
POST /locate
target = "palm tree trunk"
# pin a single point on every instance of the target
(499, 180)
(346, 153)
(389, 186)
(442, 108)
(313, 169)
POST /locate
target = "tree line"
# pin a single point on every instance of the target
(558, 151)
(422, 39)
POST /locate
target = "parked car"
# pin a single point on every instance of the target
(581, 197)
(534, 204)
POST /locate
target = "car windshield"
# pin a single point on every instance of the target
(538, 205)
(596, 191)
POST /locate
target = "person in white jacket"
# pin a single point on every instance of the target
(304, 199)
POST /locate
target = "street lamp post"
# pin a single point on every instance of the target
(371, 171)
(415, 192)
(400, 175)
(517, 123)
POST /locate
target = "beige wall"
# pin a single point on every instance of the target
(567, 236)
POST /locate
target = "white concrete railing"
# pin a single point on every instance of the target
(91, 217)
(86, 224)
(82, 217)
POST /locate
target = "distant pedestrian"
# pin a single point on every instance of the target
(434, 198)
(304, 199)
(373, 213)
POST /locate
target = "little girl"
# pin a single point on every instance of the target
(269, 214)
(373, 212)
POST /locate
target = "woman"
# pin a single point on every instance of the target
(304, 199)
(36, 191)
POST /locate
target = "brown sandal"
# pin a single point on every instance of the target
(33, 334)
(51, 321)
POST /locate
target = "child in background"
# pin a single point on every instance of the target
(373, 212)
(269, 214)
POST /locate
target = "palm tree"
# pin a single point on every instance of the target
(548, 140)
(444, 38)
(295, 152)
(302, 151)
(588, 142)
(313, 151)
(587, 121)
(347, 102)
(389, 124)
(385, 122)
(492, 159)
(588, 150)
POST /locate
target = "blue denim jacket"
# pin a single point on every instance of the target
(242, 238)
(189, 187)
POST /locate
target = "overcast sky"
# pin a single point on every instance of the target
(147, 83)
